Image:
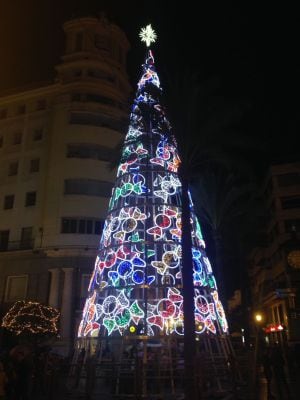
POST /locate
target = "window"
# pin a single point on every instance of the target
(13, 168)
(288, 179)
(87, 226)
(85, 281)
(290, 202)
(30, 199)
(79, 41)
(37, 134)
(21, 109)
(292, 225)
(41, 104)
(76, 97)
(280, 314)
(97, 98)
(17, 139)
(94, 97)
(1, 141)
(26, 238)
(88, 187)
(4, 236)
(91, 151)
(3, 113)
(94, 119)
(34, 165)
(99, 74)
(98, 227)
(101, 43)
(16, 288)
(8, 202)
(78, 73)
(69, 225)
(81, 227)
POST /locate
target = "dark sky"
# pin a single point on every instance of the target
(250, 48)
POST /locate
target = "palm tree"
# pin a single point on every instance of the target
(203, 123)
(225, 197)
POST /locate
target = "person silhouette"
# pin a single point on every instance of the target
(267, 366)
(278, 365)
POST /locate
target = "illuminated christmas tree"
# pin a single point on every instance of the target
(136, 286)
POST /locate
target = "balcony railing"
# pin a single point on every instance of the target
(29, 245)
(17, 245)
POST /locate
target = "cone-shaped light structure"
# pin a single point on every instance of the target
(136, 284)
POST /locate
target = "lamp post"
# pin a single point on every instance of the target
(258, 320)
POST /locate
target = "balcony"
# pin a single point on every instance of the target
(29, 245)
(16, 245)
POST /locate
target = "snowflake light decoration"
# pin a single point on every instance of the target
(148, 35)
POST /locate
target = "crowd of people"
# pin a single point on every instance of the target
(37, 373)
(280, 369)
(31, 374)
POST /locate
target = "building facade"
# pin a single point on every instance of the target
(56, 145)
(275, 265)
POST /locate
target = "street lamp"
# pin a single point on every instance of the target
(258, 319)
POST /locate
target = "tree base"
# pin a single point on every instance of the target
(141, 367)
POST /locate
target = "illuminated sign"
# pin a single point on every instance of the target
(274, 328)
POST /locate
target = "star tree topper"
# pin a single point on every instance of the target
(148, 35)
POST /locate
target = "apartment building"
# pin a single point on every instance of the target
(275, 265)
(56, 144)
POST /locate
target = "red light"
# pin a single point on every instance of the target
(274, 328)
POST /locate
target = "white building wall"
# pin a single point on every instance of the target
(53, 254)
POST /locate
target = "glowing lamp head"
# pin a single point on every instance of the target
(258, 317)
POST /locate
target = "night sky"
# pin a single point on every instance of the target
(245, 54)
(251, 51)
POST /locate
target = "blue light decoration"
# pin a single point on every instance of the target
(137, 280)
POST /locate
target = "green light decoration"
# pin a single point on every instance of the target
(150, 253)
(135, 310)
(135, 237)
(123, 319)
(109, 325)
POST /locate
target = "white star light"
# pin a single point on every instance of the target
(148, 35)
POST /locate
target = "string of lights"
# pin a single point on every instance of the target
(27, 317)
